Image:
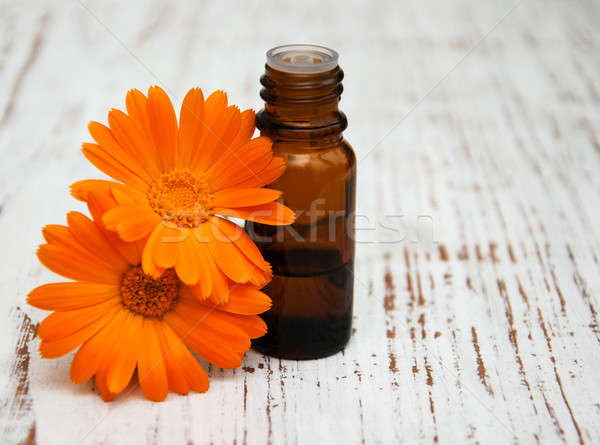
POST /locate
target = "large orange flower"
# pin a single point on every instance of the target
(124, 319)
(175, 180)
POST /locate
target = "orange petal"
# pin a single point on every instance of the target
(152, 373)
(246, 130)
(246, 300)
(175, 375)
(235, 166)
(89, 235)
(227, 256)
(61, 346)
(136, 228)
(243, 242)
(135, 142)
(95, 352)
(148, 263)
(213, 107)
(125, 354)
(163, 125)
(132, 221)
(189, 264)
(272, 213)
(126, 195)
(76, 266)
(209, 273)
(136, 104)
(194, 373)
(98, 205)
(62, 324)
(244, 197)
(253, 325)
(201, 341)
(82, 190)
(61, 236)
(101, 384)
(162, 248)
(221, 322)
(221, 285)
(70, 296)
(118, 145)
(213, 283)
(245, 258)
(217, 322)
(166, 251)
(113, 167)
(217, 138)
(191, 126)
(62, 247)
(273, 170)
(260, 277)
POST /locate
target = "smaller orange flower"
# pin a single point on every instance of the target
(177, 180)
(123, 319)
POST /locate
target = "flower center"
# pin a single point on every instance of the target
(181, 198)
(147, 296)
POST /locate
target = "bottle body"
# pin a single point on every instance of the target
(312, 259)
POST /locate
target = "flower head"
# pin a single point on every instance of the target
(123, 319)
(177, 180)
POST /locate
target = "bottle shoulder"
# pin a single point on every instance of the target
(322, 155)
(349, 150)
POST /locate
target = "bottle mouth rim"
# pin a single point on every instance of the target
(302, 58)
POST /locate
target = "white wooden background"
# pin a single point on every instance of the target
(477, 121)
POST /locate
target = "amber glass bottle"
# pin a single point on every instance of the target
(312, 259)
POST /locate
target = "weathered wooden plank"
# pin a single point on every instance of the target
(477, 289)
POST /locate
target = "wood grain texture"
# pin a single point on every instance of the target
(476, 314)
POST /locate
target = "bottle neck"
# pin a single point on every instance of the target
(301, 105)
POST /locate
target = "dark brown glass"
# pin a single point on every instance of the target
(313, 259)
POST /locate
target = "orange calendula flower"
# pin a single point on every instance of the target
(174, 179)
(122, 318)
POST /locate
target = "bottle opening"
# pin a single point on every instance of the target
(301, 58)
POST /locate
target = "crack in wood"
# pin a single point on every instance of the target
(558, 379)
(18, 405)
(481, 371)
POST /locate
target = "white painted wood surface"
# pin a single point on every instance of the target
(476, 321)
